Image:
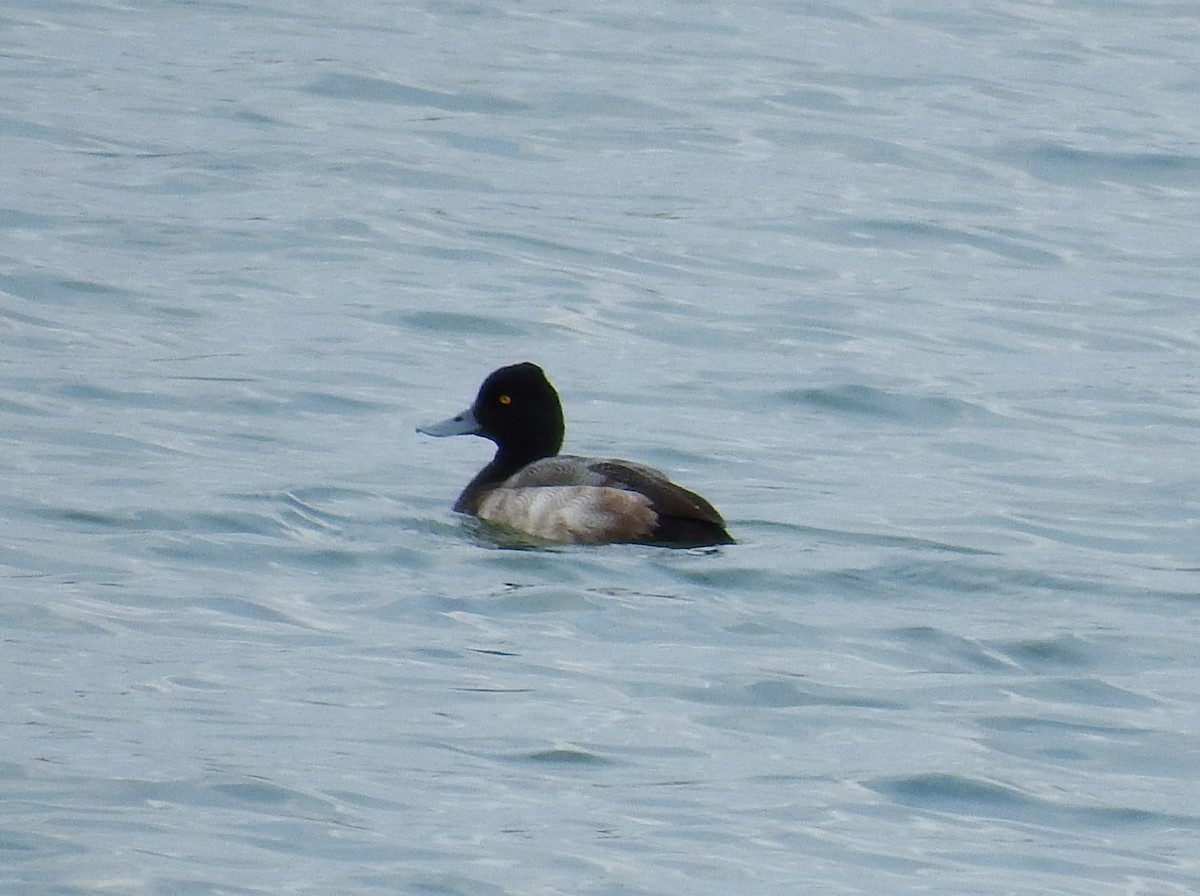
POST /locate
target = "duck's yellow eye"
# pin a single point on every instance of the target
(505, 399)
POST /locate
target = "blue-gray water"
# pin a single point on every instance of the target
(908, 290)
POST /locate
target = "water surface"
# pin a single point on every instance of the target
(907, 292)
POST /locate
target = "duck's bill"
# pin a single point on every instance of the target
(463, 424)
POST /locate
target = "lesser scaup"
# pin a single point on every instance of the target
(529, 486)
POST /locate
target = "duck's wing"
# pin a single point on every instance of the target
(561, 498)
(562, 469)
(624, 501)
(667, 498)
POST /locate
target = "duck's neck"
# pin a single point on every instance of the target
(503, 465)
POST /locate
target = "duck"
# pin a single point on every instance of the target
(531, 488)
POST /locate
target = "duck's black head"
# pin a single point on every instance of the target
(519, 410)
(516, 408)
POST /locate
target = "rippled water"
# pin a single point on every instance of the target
(908, 291)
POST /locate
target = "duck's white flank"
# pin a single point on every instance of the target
(585, 514)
